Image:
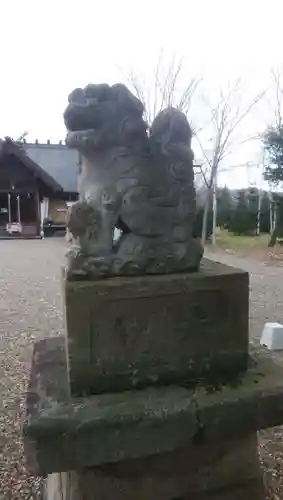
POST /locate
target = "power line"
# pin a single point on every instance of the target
(242, 165)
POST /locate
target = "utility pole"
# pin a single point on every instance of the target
(258, 212)
(214, 209)
(271, 216)
(260, 194)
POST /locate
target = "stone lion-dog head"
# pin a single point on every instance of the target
(101, 116)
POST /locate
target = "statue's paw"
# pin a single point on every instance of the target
(80, 265)
(97, 267)
(124, 267)
(138, 255)
(84, 220)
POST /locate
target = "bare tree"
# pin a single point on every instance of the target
(224, 119)
(275, 102)
(163, 89)
(277, 90)
(165, 86)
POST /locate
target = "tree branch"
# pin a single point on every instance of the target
(164, 89)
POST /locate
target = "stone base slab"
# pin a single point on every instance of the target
(227, 470)
(132, 332)
(62, 433)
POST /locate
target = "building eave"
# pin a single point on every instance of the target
(8, 146)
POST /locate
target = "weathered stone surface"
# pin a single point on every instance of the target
(207, 471)
(138, 331)
(133, 332)
(64, 433)
(138, 181)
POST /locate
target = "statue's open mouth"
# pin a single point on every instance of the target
(83, 116)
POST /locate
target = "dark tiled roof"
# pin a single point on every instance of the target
(58, 161)
(10, 147)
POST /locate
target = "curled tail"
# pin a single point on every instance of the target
(171, 135)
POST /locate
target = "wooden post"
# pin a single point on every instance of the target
(19, 208)
(38, 211)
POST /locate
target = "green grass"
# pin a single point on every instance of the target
(230, 241)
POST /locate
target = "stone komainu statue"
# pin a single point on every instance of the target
(137, 180)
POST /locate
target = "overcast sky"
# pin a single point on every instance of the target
(49, 48)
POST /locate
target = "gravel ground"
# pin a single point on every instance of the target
(31, 308)
(266, 304)
(266, 288)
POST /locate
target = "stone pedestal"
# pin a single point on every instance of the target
(224, 470)
(162, 440)
(125, 333)
(179, 426)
